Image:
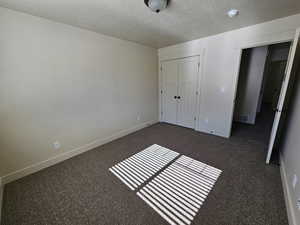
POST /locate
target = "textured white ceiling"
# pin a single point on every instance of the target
(183, 20)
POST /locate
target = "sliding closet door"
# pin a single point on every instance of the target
(170, 83)
(187, 84)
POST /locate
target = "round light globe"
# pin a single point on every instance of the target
(156, 5)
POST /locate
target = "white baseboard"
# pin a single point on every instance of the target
(287, 194)
(64, 156)
(215, 133)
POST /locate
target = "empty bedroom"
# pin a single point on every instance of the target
(157, 112)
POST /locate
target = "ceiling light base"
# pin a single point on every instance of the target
(156, 5)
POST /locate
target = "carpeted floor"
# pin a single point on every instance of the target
(82, 190)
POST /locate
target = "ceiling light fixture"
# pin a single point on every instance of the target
(156, 5)
(233, 13)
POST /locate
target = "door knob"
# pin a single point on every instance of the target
(175, 97)
(178, 97)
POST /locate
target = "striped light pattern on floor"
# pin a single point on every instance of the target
(197, 166)
(138, 168)
(178, 192)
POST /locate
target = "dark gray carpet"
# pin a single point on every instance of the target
(82, 191)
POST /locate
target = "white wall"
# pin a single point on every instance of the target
(220, 63)
(250, 84)
(291, 153)
(63, 83)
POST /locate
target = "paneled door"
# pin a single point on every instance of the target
(187, 85)
(170, 89)
(179, 86)
(285, 93)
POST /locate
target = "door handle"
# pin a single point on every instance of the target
(178, 97)
(175, 97)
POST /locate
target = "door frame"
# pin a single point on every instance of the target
(237, 71)
(198, 85)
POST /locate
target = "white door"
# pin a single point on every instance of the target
(170, 89)
(187, 84)
(285, 92)
(179, 83)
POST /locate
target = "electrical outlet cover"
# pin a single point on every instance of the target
(56, 145)
(295, 180)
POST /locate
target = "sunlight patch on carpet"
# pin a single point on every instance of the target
(174, 186)
(138, 168)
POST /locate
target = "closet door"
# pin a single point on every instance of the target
(187, 83)
(170, 84)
